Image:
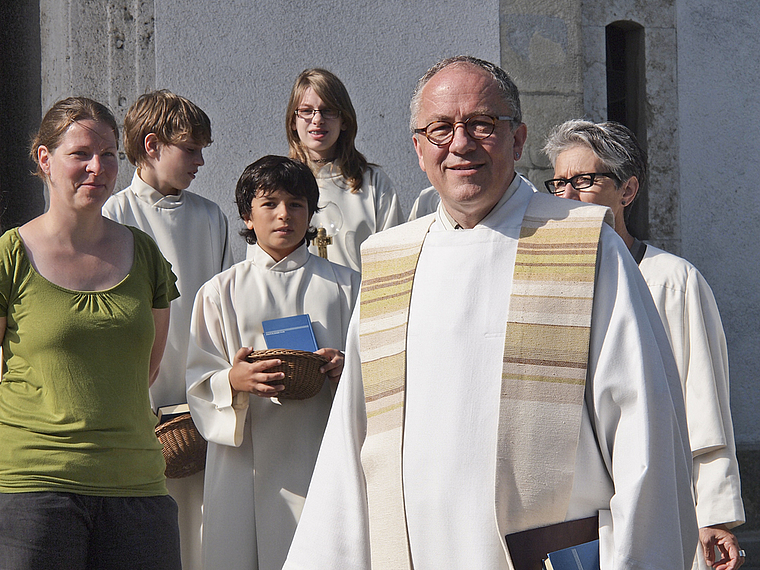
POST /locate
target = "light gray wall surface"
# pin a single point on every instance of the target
(238, 61)
(719, 116)
(239, 64)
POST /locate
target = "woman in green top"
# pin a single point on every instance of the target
(84, 305)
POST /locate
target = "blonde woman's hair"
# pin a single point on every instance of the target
(61, 116)
(350, 162)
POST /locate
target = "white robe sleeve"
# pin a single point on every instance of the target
(334, 530)
(387, 208)
(688, 309)
(219, 417)
(636, 405)
(717, 486)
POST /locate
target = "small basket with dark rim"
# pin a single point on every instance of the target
(184, 448)
(303, 379)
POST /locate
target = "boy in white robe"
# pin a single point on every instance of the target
(164, 135)
(261, 453)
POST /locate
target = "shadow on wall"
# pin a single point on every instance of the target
(21, 194)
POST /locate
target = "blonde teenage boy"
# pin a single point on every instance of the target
(164, 136)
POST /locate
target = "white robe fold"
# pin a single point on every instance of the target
(633, 461)
(261, 455)
(690, 314)
(426, 203)
(192, 234)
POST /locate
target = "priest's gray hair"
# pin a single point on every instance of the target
(507, 87)
(613, 144)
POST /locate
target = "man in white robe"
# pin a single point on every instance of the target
(632, 460)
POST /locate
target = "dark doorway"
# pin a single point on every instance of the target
(21, 194)
(626, 95)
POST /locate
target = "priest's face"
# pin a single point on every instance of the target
(279, 220)
(471, 175)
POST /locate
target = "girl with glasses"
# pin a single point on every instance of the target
(357, 199)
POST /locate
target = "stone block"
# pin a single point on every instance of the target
(647, 14)
(540, 45)
(541, 113)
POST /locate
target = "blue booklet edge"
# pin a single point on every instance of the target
(294, 333)
(587, 556)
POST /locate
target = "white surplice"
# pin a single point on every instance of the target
(192, 233)
(690, 314)
(261, 455)
(426, 203)
(633, 462)
(350, 218)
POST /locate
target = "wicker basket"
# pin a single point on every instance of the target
(183, 447)
(302, 376)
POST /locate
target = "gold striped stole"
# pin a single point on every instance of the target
(387, 274)
(546, 351)
(546, 348)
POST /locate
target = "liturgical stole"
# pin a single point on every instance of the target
(543, 374)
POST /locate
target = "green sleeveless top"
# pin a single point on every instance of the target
(75, 414)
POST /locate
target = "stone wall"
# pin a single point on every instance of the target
(102, 50)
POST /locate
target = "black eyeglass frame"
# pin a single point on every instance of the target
(573, 181)
(450, 136)
(326, 113)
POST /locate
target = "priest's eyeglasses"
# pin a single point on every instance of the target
(580, 182)
(308, 114)
(479, 127)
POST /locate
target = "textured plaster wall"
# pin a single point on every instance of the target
(98, 49)
(541, 47)
(238, 61)
(719, 118)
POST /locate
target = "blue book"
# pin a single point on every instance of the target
(581, 557)
(294, 333)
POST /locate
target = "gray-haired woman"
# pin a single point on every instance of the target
(603, 163)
